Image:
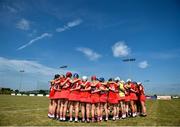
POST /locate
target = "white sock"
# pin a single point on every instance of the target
(52, 116)
(76, 119)
(133, 114)
(124, 116)
(64, 119)
(114, 118)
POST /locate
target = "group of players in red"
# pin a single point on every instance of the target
(96, 99)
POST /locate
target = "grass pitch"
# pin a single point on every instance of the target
(32, 111)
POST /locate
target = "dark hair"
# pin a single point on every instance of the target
(56, 76)
(101, 79)
(62, 76)
(110, 79)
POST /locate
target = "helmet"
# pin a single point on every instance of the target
(117, 79)
(56, 76)
(101, 79)
(75, 75)
(122, 81)
(68, 74)
(84, 78)
(135, 83)
(110, 79)
(128, 80)
(139, 83)
(93, 77)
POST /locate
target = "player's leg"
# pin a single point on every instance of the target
(83, 111)
(88, 111)
(76, 111)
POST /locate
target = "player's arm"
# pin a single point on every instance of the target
(63, 83)
(75, 81)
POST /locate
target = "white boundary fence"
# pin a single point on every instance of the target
(47, 95)
(40, 95)
(164, 97)
(32, 95)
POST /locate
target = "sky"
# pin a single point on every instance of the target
(92, 38)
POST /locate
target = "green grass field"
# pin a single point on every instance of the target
(32, 111)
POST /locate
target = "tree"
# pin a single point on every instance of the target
(16, 91)
(42, 92)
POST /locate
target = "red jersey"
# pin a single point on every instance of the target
(113, 86)
(51, 91)
(127, 89)
(67, 84)
(76, 84)
(141, 90)
(95, 86)
(57, 83)
(133, 87)
(104, 87)
(85, 85)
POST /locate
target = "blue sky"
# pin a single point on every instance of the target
(91, 37)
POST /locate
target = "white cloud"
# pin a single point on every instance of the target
(23, 24)
(120, 49)
(28, 66)
(34, 40)
(69, 25)
(143, 64)
(11, 9)
(89, 53)
(35, 74)
(74, 23)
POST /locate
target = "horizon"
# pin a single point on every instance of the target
(92, 38)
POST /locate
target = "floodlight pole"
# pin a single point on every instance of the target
(129, 60)
(63, 67)
(146, 82)
(21, 78)
(2, 79)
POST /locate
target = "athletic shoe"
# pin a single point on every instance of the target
(70, 120)
(144, 115)
(106, 119)
(133, 115)
(117, 117)
(88, 121)
(114, 118)
(93, 120)
(49, 115)
(64, 119)
(123, 116)
(83, 120)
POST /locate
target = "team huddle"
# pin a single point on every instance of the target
(94, 100)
